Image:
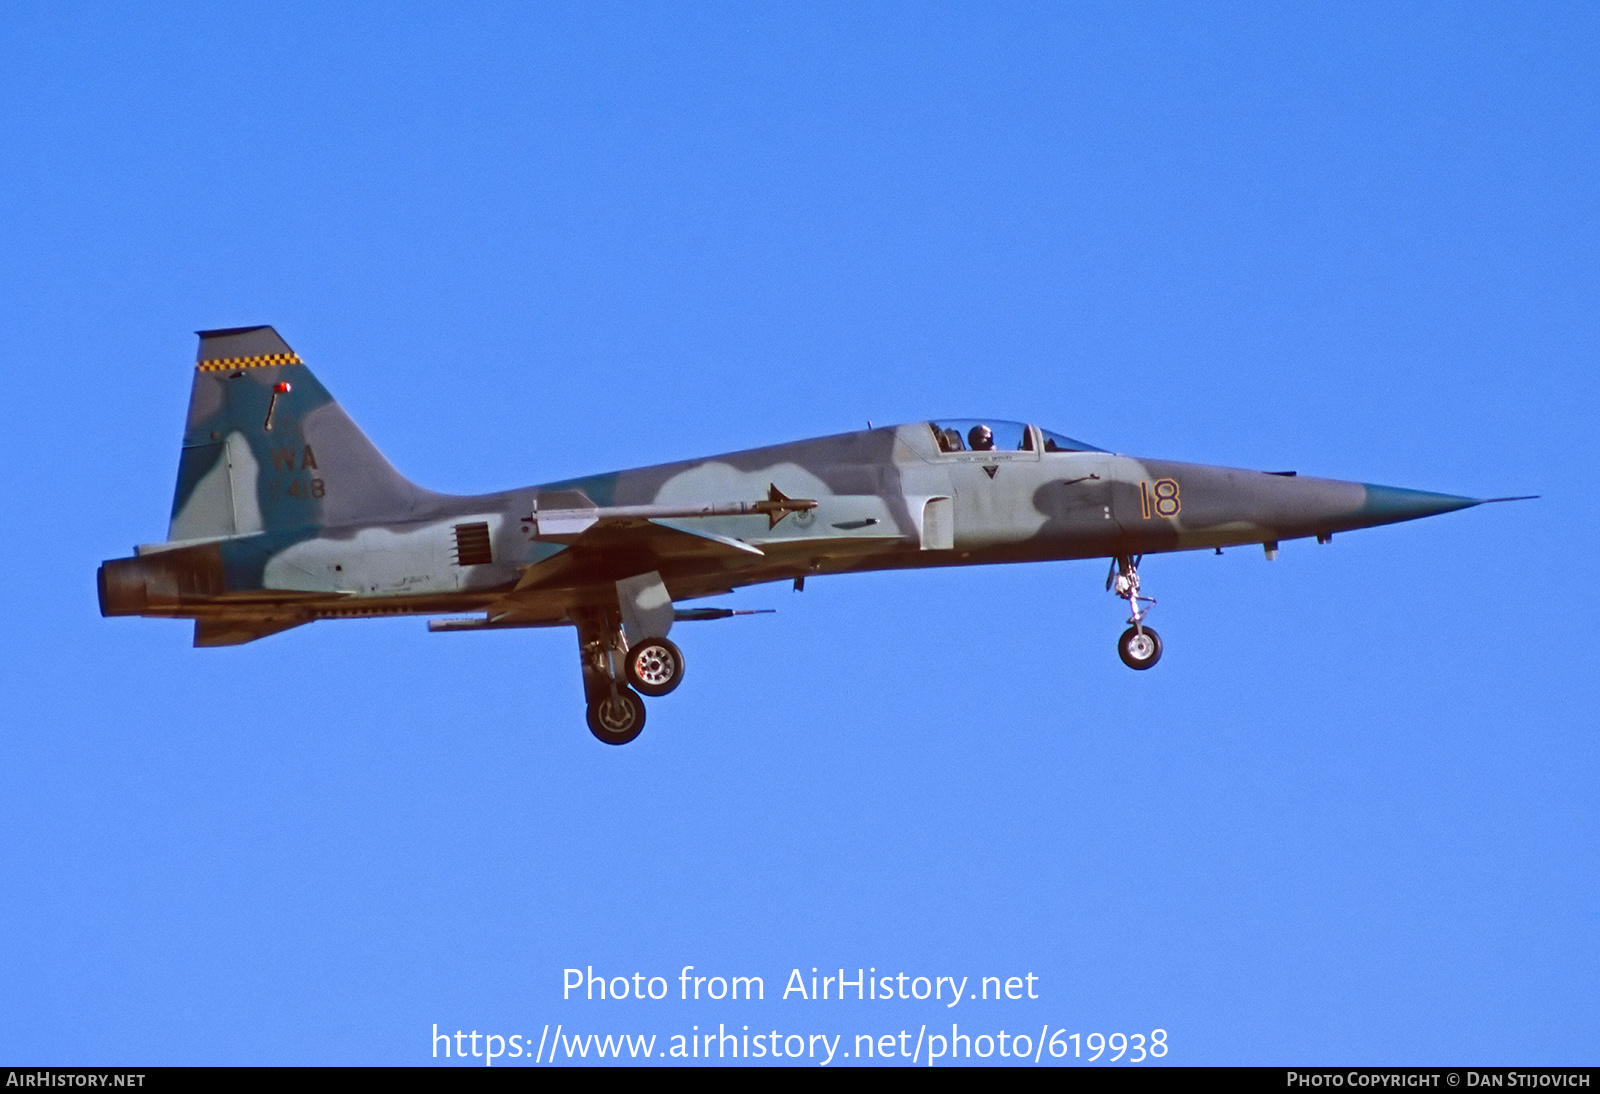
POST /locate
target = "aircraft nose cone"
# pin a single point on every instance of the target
(1388, 504)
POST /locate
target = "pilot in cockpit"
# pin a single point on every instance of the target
(980, 439)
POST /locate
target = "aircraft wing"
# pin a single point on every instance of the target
(706, 543)
(610, 549)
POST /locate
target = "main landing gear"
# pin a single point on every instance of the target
(615, 674)
(618, 718)
(654, 667)
(1139, 647)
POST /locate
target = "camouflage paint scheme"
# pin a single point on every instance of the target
(285, 513)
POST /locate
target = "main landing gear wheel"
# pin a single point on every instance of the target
(1139, 648)
(654, 666)
(617, 719)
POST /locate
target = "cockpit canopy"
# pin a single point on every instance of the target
(991, 435)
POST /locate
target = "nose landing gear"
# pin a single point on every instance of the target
(1139, 647)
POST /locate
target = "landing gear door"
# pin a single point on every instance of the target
(646, 607)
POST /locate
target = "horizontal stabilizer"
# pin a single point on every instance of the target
(236, 632)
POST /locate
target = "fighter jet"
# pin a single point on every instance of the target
(285, 513)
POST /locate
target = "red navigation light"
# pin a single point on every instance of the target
(282, 388)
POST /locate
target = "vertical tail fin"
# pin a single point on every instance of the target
(266, 448)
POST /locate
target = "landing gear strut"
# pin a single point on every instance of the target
(615, 711)
(652, 666)
(1139, 647)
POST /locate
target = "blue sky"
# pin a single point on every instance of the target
(1349, 819)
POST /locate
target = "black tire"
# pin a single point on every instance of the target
(617, 721)
(654, 667)
(1139, 652)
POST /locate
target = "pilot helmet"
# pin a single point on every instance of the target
(980, 439)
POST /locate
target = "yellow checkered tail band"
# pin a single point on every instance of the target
(227, 364)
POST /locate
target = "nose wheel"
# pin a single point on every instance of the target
(1139, 647)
